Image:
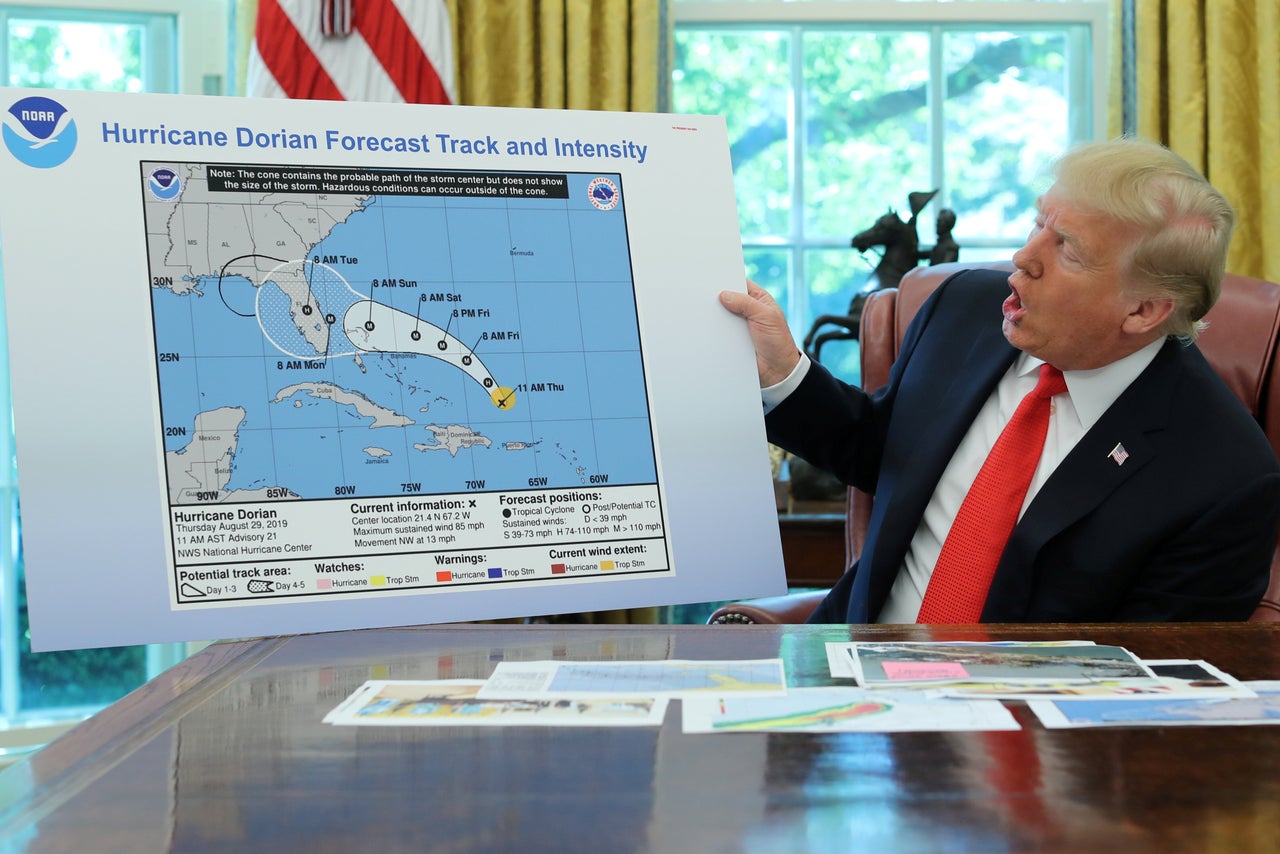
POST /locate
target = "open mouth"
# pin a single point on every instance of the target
(1012, 308)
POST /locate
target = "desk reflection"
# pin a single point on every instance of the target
(227, 752)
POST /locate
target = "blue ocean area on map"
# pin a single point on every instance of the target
(439, 343)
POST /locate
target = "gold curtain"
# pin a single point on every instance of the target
(1209, 87)
(559, 54)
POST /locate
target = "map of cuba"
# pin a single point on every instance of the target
(323, 333)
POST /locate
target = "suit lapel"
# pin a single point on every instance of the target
(1115, 449)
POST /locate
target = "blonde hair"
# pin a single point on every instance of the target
(1185, 223)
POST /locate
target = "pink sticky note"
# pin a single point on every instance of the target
(924, 670)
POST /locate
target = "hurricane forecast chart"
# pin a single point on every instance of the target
(375, 381)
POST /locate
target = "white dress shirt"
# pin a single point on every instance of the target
(1089, 395)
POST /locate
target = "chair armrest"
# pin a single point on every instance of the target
(792, 608)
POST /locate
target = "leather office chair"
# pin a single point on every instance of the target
(1240, 344)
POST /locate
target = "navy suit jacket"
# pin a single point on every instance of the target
(1183, 529)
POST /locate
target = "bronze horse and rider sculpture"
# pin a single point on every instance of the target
(901, 253)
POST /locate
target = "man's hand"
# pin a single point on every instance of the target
(776, 352)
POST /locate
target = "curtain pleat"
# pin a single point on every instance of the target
(559, 54)
(1209, 88)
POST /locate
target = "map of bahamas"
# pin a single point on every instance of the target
(419, 332)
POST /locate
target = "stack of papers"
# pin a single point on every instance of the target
(557, 693)
(894, 687)
(1065, 683)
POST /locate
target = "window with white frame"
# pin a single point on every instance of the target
(113, 45)
(838, 112)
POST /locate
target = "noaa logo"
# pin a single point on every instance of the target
(603, 193)
(164, 184)
(39, 132)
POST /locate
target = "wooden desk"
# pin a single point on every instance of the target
(226, 752)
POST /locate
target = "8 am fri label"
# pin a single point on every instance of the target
(332, 547)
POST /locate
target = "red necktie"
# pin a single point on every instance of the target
(958, 587)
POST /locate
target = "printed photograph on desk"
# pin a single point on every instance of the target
(1263, 708)
(675, 678)
(842, 657)
(830, 709)
(1173, 678)
(454, 702)
(991, 670)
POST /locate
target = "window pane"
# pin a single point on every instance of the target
(867, 127)
(1006, 117)
(744, 76)
(835, 277)
(75, 678)
(74, 55)
(888, 109)
(771, 270)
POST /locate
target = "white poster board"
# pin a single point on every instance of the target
(290, 366)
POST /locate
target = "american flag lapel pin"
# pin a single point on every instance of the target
(1118, 454)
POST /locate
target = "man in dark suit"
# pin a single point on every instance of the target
(1156, 496)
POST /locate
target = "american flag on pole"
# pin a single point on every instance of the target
(353, 50)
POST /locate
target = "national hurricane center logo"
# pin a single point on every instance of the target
(603, 193)
(39, 132)
(164, 184)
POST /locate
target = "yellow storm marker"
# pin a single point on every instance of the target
(503, 397)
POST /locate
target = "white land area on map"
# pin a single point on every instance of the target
(291, 232)
(382, 417)
(451, 438)
(204, 464)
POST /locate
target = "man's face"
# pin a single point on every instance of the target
(1067, 305)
